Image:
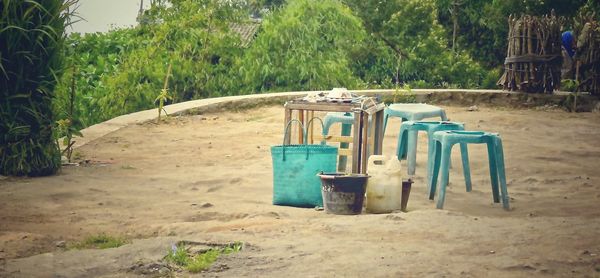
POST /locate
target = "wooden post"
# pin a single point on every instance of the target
(532, 78)
(287, 119)
(300, 131)
(364, 143)
(310, 115)
(356, 142)
(372, 134)
(378, 122)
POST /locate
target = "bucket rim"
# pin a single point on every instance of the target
(336, 175)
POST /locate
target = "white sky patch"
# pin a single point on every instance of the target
(104, 15)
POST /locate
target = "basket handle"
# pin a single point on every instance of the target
(287, 126)
(308, 126)
(285, 134)
(304, 133)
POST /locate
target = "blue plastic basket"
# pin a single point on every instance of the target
(295, 169)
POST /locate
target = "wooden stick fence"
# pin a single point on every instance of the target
(533, 59)
(587, 57)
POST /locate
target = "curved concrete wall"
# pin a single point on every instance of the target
(440, 96)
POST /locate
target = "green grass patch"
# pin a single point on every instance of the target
(99, 242)
(196, 262)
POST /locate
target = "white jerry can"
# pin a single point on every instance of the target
(384, 188)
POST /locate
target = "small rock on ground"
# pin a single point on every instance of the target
(473, 108)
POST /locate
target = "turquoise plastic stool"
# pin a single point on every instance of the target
(347, 119)
(412, 112)
(404, 140)
(337, 117)
(444, 140)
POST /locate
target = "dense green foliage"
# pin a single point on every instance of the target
(93, 59)
(301, 45)
(306, 46)
(123, 71)
(408, 45)
(31, 41)
(194, 39)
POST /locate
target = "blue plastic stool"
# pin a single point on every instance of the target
(404, 140)
(336, 117)
(444, 140)
(347, 119)
(412, 112)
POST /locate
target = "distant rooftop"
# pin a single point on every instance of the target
(246, 30)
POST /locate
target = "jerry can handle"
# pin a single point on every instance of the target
(374, 158)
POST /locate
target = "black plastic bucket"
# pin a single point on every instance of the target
(343, 193)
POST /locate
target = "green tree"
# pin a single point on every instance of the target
(195, 38)
(305, 46)
(31, 36)
(120, 71)
(417, 45)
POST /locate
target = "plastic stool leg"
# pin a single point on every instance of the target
(466, 168)
(412, 151)
(401, 149)
(326, 125)
(493, 170)
(430, 155)
(437, 154)
(443, 115)
(445, 172)
(385, 120)
(501, 173)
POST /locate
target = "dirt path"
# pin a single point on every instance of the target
(208, 178)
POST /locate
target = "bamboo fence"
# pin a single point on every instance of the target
(587, 57)
(533, 60)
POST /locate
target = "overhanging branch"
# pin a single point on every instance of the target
(398, 51)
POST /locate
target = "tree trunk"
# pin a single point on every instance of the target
(454, 14)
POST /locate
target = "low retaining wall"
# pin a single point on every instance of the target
(586, 103)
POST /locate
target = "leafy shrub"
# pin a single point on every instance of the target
(408, 45)
(31, 40)
(194, 37)
(121, 71)
(305, 46)
(93, 59)
(490, 79)
(376, 64)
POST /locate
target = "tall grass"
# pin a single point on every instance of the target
(31, 41)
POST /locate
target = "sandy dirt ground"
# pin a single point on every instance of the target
(208, 178)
